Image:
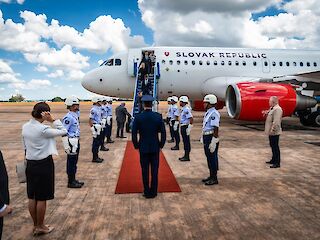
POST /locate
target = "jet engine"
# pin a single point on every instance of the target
(248, 101)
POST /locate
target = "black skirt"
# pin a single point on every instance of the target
(40, 179)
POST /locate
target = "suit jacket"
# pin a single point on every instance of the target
(4, 188)
(122, 113)
(273, 121)
(148, 124)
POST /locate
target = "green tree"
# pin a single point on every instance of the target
(57, 99)
(16, 98)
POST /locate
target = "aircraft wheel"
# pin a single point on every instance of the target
(315, 118)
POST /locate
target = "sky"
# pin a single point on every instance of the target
(46, 46)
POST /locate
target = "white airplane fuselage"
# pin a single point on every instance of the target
(195, 71)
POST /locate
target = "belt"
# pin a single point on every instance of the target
(207, 133)
(184, 124)
(74, 137)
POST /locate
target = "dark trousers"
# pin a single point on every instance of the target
(72, 161)
(103, 136)
(1, 227)
(185, 139)
(171, 131)
(212, 158)
(120, 127)
(176, 134)
(96, 142)
(109, 131)
(274, 144)
(150, 160)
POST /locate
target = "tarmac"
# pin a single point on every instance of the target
(251, 201)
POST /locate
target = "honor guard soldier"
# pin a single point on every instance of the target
(104, 110)
(186, 121)
(109, 120)
(210, 137)
(95, 124)
(175, 121)
(148, 125)
(168, 120)
(71, 142)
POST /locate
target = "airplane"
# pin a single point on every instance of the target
(242, 79)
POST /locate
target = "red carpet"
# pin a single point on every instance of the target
(130, 177)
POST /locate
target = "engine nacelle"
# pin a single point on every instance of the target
(247, 101)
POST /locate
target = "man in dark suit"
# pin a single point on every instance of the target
(5, 209)
(149, 124)
(121, 117)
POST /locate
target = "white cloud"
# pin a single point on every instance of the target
(7, 75)
(56, 74)
(75, 75)
(41, 68)
(229, 23)
(10, 1)
(32, 85)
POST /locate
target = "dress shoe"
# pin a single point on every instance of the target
(170, 141)
(175, 148)
(275, 166)
(211, 182)
(149, 196)
(104, 149)
(82, 183)
(269, 162)
(206, 179)
(74, 184)
(110, 141)
(117, 136)
(97, 160)
(184, 159)
(123, 137)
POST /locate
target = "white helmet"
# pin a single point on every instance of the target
(175, 99)
(184, 99)
(71, 101)
(96, 99)
(169, 99)
(210, 98)
(109, 99)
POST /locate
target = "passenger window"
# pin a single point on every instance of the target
(163, 62)
(222, 63)
(178, 62)
(208, 63)
(294, 64)
(244, 63)
(109, 62)
(215, 63)
(315, 64)
(117, 62)
(193, 62)
(237, 63)
(301, 64)
(229, 63)
(170, 62)
(274, 64)
(280, 64)
(200, 62)
(266, 64)
(288, 64)
(308, 64)
(254, 63)
(185, 62)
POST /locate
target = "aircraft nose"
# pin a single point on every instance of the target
(90, 81)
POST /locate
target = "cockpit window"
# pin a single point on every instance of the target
(109, 62)
(117, 62)
(103, 63)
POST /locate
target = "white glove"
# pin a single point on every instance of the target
(170, 123)
(66, 145)
(201, 139)
(103, 123)
(109, 121)
(189, 129)
(213, 144)
(74, 143)
(98, 128)
(176, 125)
(94, 132)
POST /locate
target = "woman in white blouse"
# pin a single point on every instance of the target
(40, 145)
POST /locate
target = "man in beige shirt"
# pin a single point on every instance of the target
(273, 130)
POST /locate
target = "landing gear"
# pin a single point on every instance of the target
(308, 118)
